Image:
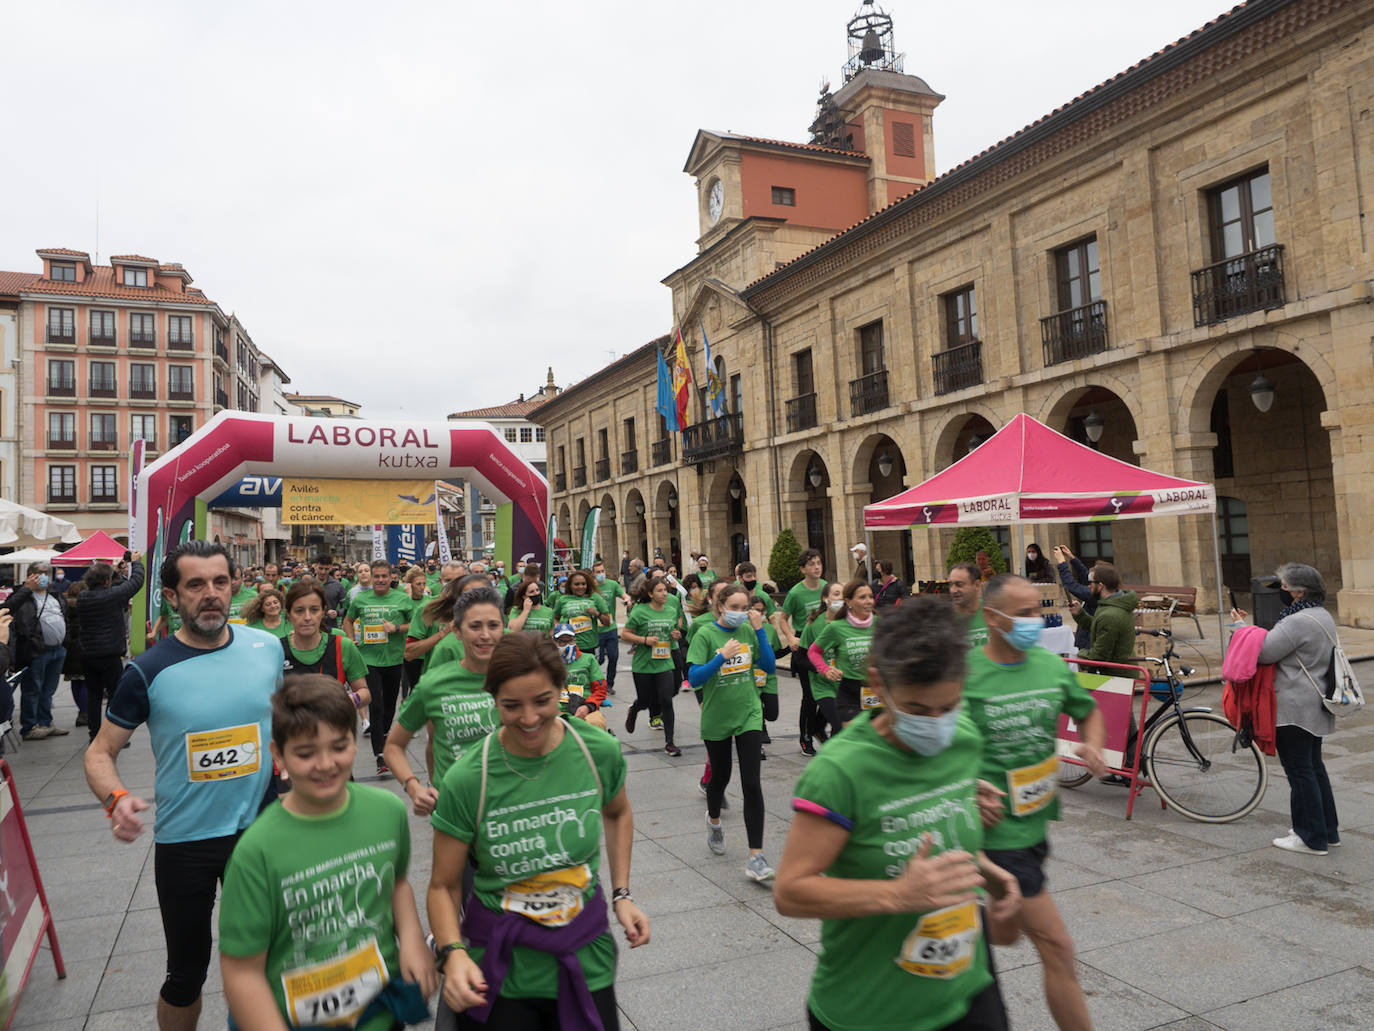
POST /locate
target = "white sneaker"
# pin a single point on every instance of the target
(757, 869)
(1329, 844)
(367, 724)
(715, 836)
(1293, 843)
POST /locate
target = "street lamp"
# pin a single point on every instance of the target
(1092, 426)
(672, 498)
(1261, 388)
(736, 489)
(884, 465)
(975, 442)
(814, 474)
(639, 508)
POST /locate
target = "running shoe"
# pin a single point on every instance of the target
(80, 719)
(1330, 844)
(766, 739)
(757, 869)
(1293, 843)
(807, 748)
(672, 749)
(367, 725)
(715, 837)
(630, 718)
(686, 687)
(382, 770)
(655, 722)
(763, 756)
(57, 731)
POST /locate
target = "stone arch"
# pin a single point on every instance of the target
(607, 535)
(1212, 368)
(953, 427)
(871, 484)
(632, 518)
(1059, 402)
(810, 507)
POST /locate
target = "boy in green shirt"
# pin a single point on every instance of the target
(240, 595)
(317, 921)
(608, 647)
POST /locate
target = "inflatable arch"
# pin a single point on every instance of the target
(175, 493)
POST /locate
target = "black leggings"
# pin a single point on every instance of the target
(385, 684)
(806, 717)
(848, 699)
(826, 714)
(655, 691)
(526, 1014)
(411, 671)
(749, 748)
(770, 707)
(102, 674)
(186, 874)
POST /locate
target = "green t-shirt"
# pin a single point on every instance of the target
(871, 975)
(770, 606)
(1017, 710)
(767, 683)
(419, 630)
(450, 649)
(583, 672)
(355, 668)
(279, 631)
(434, 584)
(538, 842)
(584, 613)
(539, 621)
(707, 577)
(729, 700)
(452, 699)
(820, 687)
(170, 616)
(371, 612)
(315, 892)
(674, 601)
(694, 627)
(977, 630)
(610, 590)
(801, 601)
(644, 621)
(845, 645)
(238, 602)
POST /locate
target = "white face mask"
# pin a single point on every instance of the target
(836, 605)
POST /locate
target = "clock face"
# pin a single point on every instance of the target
(715, 200)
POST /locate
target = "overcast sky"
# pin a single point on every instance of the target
(420, 207)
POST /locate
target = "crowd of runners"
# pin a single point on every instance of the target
(918, 838)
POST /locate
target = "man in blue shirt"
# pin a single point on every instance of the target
(205, 693)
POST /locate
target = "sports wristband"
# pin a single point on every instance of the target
(112, 801)
(408, 780)
(442, 954)
(357, 699)
(621, 895)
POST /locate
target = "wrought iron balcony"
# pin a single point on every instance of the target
(1236, 286)
(959, 367)
(61, 388)
(579, 476)
(629, 462)
(560, 481)
(180, 342)
(61, 336)
(801, 413)
(221, 399)
(181, 394)
(100, 339)
(104, 445)
(222, 352)
(1075, 333)
(103, 388)
(139, 392)
(868, 393)
(61, 497)
(61, 443)
(138, 339)
(662, 451)
(601, 469)
(723, 435)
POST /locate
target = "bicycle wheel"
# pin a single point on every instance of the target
(1200, 770)
(1072, 775)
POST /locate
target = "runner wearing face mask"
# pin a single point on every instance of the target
(840, 651)
(1011, 676)
(721, 663)
(802, 600)
(608, 645)
(822, 689)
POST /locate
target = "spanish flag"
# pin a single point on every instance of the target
(682, 376)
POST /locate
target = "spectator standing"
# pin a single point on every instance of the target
(888, 589)
(1112, 626)
(1038, 569)
(73, 668)
(40, 621)
(1073, 575)
(6, 699)
(101, 612)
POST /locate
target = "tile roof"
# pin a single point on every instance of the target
(13, 282)
(517, 409)
(63, 250)
(132, 257)
(812, 148)
(1088, 101)
(101, 283)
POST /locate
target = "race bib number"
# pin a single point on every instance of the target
(238, 620)
(760, 678)
(868, 698)
(223, 754)
(374, 633)
(662, 650)
(1031, 788)
(334, 993)
(942, 944)
(741, 662)
(553, 899)
(581, 624)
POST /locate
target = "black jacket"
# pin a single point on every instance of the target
(26, 636)
(101, 613)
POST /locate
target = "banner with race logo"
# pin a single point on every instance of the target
(588, 552)
(378, 543)
(405, 541)
(135, 468)
(444, 551)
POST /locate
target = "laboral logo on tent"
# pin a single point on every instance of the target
(1113, 506)
(996, 509)
(1201, 498)
(940, 512)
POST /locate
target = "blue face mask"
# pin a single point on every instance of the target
(601, 578)
(734, 620)
(1024, 633)
(569, 652)
(924, 735)
(43, 581)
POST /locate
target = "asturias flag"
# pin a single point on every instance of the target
(665, 406)
(715, 389)
(682, 376)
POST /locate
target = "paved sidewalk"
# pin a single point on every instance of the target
(1179, 924)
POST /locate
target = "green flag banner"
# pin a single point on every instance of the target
(589, 537)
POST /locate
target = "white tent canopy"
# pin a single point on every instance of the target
(27, 556)
(26, 527)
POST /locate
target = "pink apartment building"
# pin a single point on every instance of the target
(109, 354)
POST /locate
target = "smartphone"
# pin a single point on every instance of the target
(1232, 593)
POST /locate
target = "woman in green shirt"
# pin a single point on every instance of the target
(529, 804)
(840, 651)
(885, 848)
(529, 612)
(584, 608)
(308, 648)
(827, 721)
(652, 629)
(267, 612)
(721, 664)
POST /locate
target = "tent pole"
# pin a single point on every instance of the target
(868, 553)
(1020, 547)
(1216, 554)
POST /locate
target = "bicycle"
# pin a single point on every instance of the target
(1201, 766)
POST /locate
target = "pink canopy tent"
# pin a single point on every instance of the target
(1028, 473)
(98, 547)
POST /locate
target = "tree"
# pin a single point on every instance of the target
(968, 541)
(782, 562)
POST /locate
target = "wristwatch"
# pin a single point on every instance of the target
(442, 954)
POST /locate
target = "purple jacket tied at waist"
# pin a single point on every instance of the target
(500, 933)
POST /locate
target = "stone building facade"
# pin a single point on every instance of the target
(1177, 264)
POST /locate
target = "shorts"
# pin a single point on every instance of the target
(1027, 865)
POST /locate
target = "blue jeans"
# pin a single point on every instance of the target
(1311, 803)
(40, 683)
(608, 654)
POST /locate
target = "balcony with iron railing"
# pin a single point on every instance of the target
(629, 461)
(178, 341)
(221, 399)
(579, 476)
(61, 443)
(104, 444)
(560, 481)
(138, 338)
(102, 339)
(61, 497)
(103, 388)
(661, 453)
(1239, 285)
(58, 335)
(868, 394)
(1074, 333)
(142, 391)
(61, 387)
(222, 353)
(958, 367)
(714, 438)
(601, 469)
(181, 394)
(801, 413)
